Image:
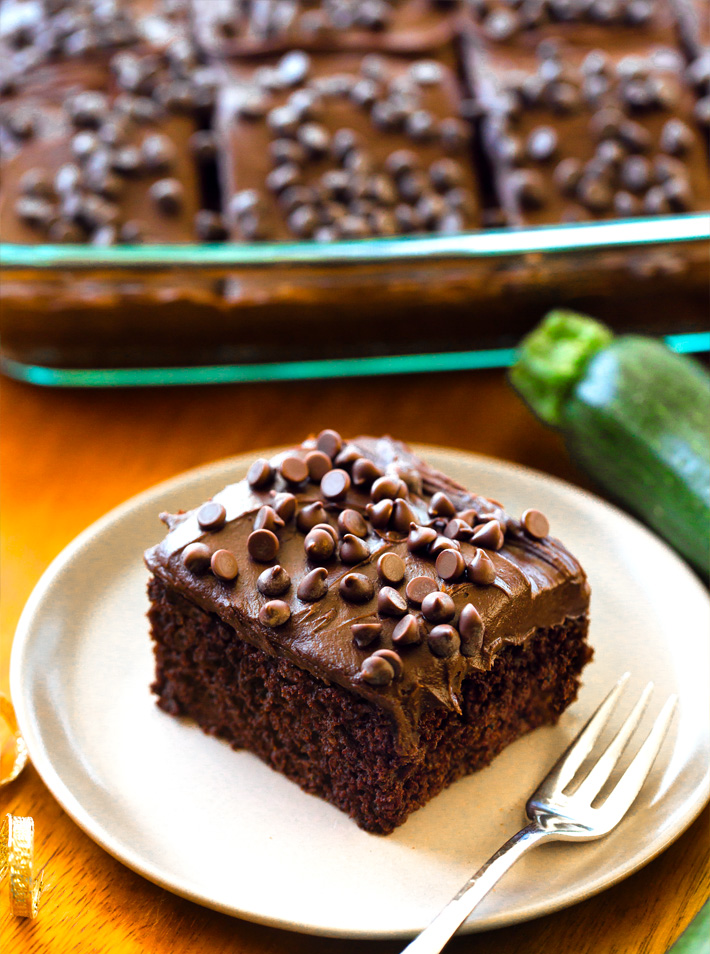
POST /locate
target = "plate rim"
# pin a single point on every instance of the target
(123, 853)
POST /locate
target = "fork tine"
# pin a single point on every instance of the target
(603, 768)
(564, 770)
(629, 785)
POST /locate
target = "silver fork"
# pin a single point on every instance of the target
(557, 815)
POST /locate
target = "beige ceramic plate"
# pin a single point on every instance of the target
(222, 829)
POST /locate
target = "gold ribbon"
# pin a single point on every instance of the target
(17, 832)
(19, 758)
(17, 837)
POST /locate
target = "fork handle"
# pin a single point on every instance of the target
(433, 938)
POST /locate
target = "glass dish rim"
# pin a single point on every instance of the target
(568, 237)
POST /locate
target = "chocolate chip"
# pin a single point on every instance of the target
(458, 529)
(319, 545)
(441, 544)
(343, 142)
(676, 137)
(402, 516)
(468, 516)
(284, 505)
(443, 641)
(283, 177)
(656, 202)
(438, 607)
(158, 152)
(347, 456)
(407, 632)
(450, 565)
(501, 24)
(293, 469)
(535, 523)
(426, 72)
(420, 125)
(67, 179)
(606, 123)
(330, 442)
(635, 174)
(454, 134)
(489, 535)
(268, 519)
(635, 136)
(627, 205)
(364, 472)
(393, 658)
(224, 565)
(274, 581)
(310, 516)
(211, 516)
(480, 568)
(679, 194)
(401, 162)
(313, 586)
(364, 634)
(263, 545)
(441, 505)
(87, 109)
(390, 602)
(353, 550)
(203, 145)
(35, 212)
(314, 138)
(379, 513)
(528, 187)
(376, 671)
(335, 484)
(419, 587)
(260, 474)
(196, 557)
(168, 195)
(420, 538)
(37, 183)
(542, 143)
(293, 68)
(352, 522)
(390, 568)
(356, 588)
(274, 613)
(388, 487)
(318, 465)
(701, 112)
(471, 629)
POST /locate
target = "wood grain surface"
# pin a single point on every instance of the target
(67, 457)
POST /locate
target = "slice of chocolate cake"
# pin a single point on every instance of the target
(364, 624)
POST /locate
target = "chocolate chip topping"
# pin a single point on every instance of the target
(353, 550)
(196, 557)
(310, 516)
(471, 630)
(335, 484)
(365, 472)
(536, 524)
(420, 587)
(438, 607)
(379, 513)
(376, 671)
(330, 442)
(211, 516)
(391, 569)
(260, 474)
(480, 568)
(356, 588)
(489, 535)
(443, 641)
(364, 634)
(388, 488)
(268, 519)
(319, 545)
(274, 582)
(441, 505)
(262, 545)
(450, 565)
(284, 505)
(318, 465)
(294, 469)
(224, 565)
(393, 658)
(420, 538)
(407, 632)
(275, 613)
(313, 586)
(352, 522)
(390, 602)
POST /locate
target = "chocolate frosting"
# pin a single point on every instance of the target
(538, 583)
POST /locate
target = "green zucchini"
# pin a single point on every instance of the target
(634, 414)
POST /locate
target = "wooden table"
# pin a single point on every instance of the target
(67, 457)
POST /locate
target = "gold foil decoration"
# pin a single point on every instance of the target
(17, 836)
(19, 755)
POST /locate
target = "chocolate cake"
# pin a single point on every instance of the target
(364, 624)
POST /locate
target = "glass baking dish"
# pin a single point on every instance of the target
(186, 314)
